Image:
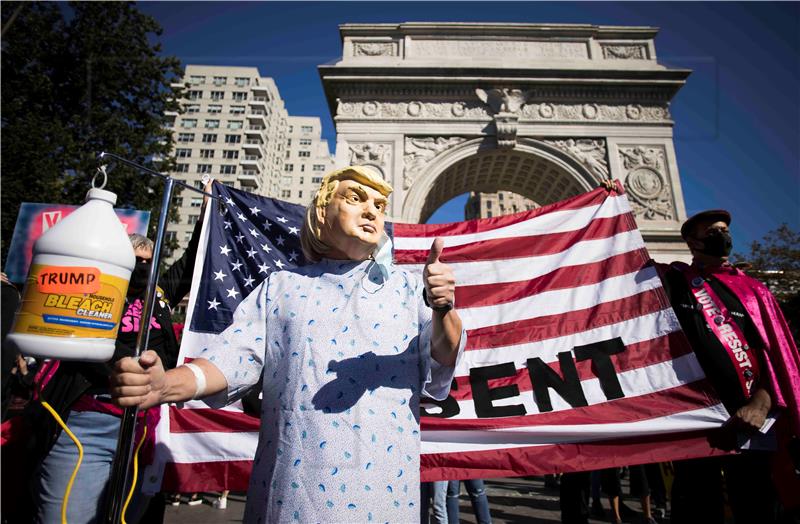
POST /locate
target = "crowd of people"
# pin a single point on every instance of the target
(365, 470)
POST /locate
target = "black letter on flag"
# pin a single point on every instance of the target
(543, 377)
(602, 367)
(483, 396)
(449, 405)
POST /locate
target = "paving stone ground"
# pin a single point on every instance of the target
(511, 501)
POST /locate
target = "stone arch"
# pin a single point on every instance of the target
(533, 169)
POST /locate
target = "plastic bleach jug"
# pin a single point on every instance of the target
(75, 293)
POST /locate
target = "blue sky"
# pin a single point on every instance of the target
(737, 131)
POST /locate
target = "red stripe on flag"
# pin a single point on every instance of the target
(552, 326)
(523, 246)
(565, 458)
(201, 420)
(206, 476)
(688, 397)
(640, 354)
(591, 198)
(562, 278)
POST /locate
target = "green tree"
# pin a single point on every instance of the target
(775, 260)
(78, 79)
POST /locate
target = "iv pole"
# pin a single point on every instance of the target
(122, 457)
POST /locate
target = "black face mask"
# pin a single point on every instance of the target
(718, 243)
(139, 277)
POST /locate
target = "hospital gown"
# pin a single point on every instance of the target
(345, 355)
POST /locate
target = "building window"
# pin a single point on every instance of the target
(193, 108)
(185, 137)
(306, 129)
(299, 194)
(237, 110)
(318, 167)
(286, 193)
(230, 154)
(233, 139)
(302, 169)
(488, 204)
(181, 168)
(239, 96)
(235, 124)
(305, 141)
(291, 129)
(189, 122)
(196, 202)
(217, 95)
(242, 82)
(215, 108)
(227, 170)
(192, 219)
(316, 180)
(198, 184)
(212, 124)
(288, 141)
(203, 168)
(304, 154)
(183, 153)
(220, 80)
(499, 196)
(196, 80)
(206, 153)
(286, 180)
(187, 236)
(288, 168)
(209, 138)
(195, 95)
(488, 214)
(288, 154)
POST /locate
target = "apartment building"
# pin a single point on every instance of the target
(487, 205)
(233, 129)
(305, 161)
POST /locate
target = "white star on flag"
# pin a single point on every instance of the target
(293, 256)
(224, 250)
(227, 224)
(254, 232)
(280, 241)
(212, 304)
(242, 217)
(232, 292)
(267, 225)
(293, 230)
(279, 264)
(263, 268)
(249, 281)
(251, 253)
(266, 247)
(282, 220)
(240, 238)
(237, 265)
(229, 200)
(254, 210)
(219, 275)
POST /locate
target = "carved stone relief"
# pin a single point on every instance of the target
(374, 49)
(370, 153)
(477, 110)
(624, 51)
(589, 152)
(646, 182)
(421, 150)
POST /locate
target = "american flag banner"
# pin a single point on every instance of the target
(574, 359)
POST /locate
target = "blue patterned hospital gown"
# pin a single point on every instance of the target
(345, 356)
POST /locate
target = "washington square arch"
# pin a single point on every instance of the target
(542, 110)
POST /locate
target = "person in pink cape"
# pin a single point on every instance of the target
(743, 343)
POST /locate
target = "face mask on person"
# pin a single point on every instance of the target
(139, 275)
(718, 243)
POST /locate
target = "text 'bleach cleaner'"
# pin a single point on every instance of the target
(75, 292)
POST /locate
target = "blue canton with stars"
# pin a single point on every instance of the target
(249, 237)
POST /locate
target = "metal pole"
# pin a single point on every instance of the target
(125, 442)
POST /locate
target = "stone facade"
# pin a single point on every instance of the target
(543, 111)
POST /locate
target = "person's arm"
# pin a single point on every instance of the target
(440, 288)
(144, 383)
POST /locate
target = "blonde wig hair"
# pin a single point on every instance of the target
(310, 236)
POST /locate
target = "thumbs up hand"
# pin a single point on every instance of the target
(440, 283)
